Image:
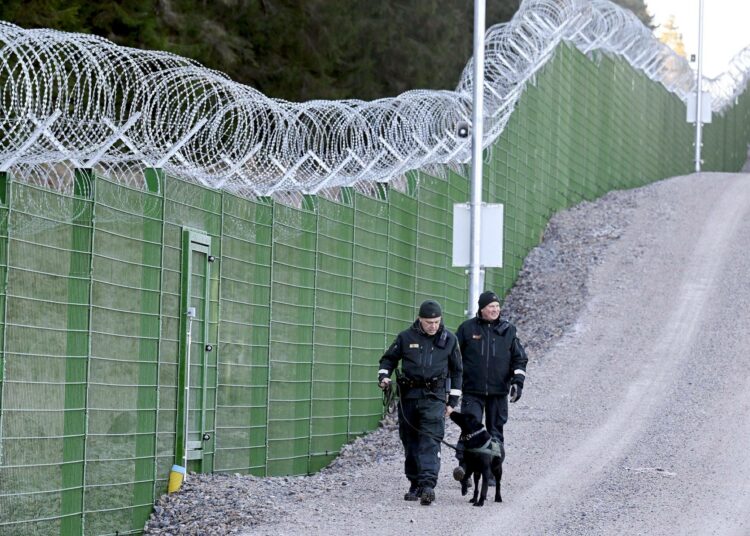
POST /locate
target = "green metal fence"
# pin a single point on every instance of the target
(293, 305)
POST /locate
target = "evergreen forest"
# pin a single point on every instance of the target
(296, 50)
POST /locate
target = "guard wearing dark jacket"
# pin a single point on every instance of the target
(494, 367)
(429, 356)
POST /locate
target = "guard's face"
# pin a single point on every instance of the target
(430, 325)
(491, 311)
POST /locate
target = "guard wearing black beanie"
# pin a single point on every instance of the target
(429, 357)
(486, 298)
(430, 309)
(494, 368)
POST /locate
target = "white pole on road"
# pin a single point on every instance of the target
(477, 135)
(699, 89)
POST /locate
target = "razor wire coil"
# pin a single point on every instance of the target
(72, 100)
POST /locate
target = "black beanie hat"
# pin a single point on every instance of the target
(430, 309)
(486, 298)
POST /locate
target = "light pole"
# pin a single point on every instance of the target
(699, 91)
(477, 135)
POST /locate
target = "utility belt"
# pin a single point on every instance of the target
(433, 384)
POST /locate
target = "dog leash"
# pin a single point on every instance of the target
(487, 448)
(389, 395)
(491, 448)
(422, 432)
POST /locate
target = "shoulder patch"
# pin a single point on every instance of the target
(414, 345)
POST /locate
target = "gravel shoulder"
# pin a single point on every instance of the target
(634, 416)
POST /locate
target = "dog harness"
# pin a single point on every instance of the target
(492, 447)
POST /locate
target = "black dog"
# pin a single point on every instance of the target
(483, 455)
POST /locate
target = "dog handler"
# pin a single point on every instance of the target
(429, 355)
(494, 368)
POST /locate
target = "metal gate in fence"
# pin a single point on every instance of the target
(196, 411)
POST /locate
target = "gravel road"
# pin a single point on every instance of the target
(634, 419)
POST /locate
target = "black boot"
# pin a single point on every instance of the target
(427, 496)
(413, 493)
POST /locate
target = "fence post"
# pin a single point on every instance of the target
(147, 402)
(4, 221)
(73, 468)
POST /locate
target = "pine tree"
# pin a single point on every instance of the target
(670, 35)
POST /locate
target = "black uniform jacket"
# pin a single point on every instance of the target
(424, 358)
(492, 355)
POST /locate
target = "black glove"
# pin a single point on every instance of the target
(383, 376)
(453, 401)
(516, 389)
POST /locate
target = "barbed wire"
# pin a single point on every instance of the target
(73, 100)
(726, 87)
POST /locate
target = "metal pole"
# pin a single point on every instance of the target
(187, 393)
(699, 95)
(477, 135)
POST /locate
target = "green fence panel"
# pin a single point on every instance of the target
(122, 385)
(291, 339)
(4, 195)
(456, 281)
(329, 423)
(369, 289)
(402, 256)
(45, 361)
(434, 249)
(244, 336)
(725, 138)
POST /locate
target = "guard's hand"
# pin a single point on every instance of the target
(449, 410)
(384, 383)
(516, 389)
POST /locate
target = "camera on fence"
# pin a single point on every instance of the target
(462, 129)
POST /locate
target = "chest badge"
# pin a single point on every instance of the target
(477, 337)
(414, 345)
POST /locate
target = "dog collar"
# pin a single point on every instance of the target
(467, 437)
